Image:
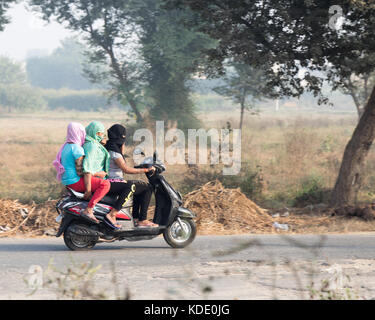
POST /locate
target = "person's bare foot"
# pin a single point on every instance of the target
(112, 218)
(146, 223)
(90, 213)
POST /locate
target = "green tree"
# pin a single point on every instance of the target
(4, 6)
(244, 85)
(21, 98)
(285, 37)
(61, 69)
(140, 50)
(109, 33)
(11, 72)
(15, 92)
(173, 53)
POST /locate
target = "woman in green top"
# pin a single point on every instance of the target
(96, 163)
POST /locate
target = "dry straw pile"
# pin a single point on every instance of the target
(33, 220)
(226, 211)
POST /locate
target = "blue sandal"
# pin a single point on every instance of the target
(110, 224)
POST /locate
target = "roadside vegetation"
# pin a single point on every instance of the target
(288, 159)
(136, 62)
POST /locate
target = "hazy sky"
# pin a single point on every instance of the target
(28, 32)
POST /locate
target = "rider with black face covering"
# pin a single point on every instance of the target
(117, 167)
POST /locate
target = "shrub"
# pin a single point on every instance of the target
(81, 100)
(21, 97)
(312, 191)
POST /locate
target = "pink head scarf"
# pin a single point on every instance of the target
(75, 134)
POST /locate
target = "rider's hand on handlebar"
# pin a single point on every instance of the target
(153, 169)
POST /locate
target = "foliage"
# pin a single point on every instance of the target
(301, 45)
(61, 69)
(82, 100)
(109, 33)
(311, 192)
(4, 5)
(286, 37)
(244, 83)
(11, 72)
(139, 50)
(173, 53)
(241, 83)
(15, 92)
(76, 282)
(21, 97)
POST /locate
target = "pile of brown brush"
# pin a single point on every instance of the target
(30, 220)
(226, 211)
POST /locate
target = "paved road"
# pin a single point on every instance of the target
(213, 267)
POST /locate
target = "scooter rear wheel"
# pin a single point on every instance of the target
(78, 242)
(180, 233)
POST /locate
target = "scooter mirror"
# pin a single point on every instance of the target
(155, 156)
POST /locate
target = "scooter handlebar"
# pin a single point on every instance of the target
(143, 166)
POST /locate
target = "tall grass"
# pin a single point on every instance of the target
(286, 159)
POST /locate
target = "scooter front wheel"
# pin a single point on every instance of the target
(180, 233)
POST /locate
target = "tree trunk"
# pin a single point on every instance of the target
(134, 107)
(349, 179)
(123, 79)
(242, 112)
(350, 86)
(243, 100)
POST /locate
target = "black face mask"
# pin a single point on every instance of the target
(116, 138)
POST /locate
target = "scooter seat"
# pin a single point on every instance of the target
(77, 194)
(110, 200)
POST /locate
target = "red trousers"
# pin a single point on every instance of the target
(99, 187)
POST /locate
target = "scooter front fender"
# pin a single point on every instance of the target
(180, 212)
(185, 213)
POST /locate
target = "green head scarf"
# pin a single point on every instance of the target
(93, 128)
(96, 156)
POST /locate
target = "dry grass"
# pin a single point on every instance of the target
(287, 147)
(28, 147)
(292, 149)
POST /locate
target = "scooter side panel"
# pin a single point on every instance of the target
(66, 220)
